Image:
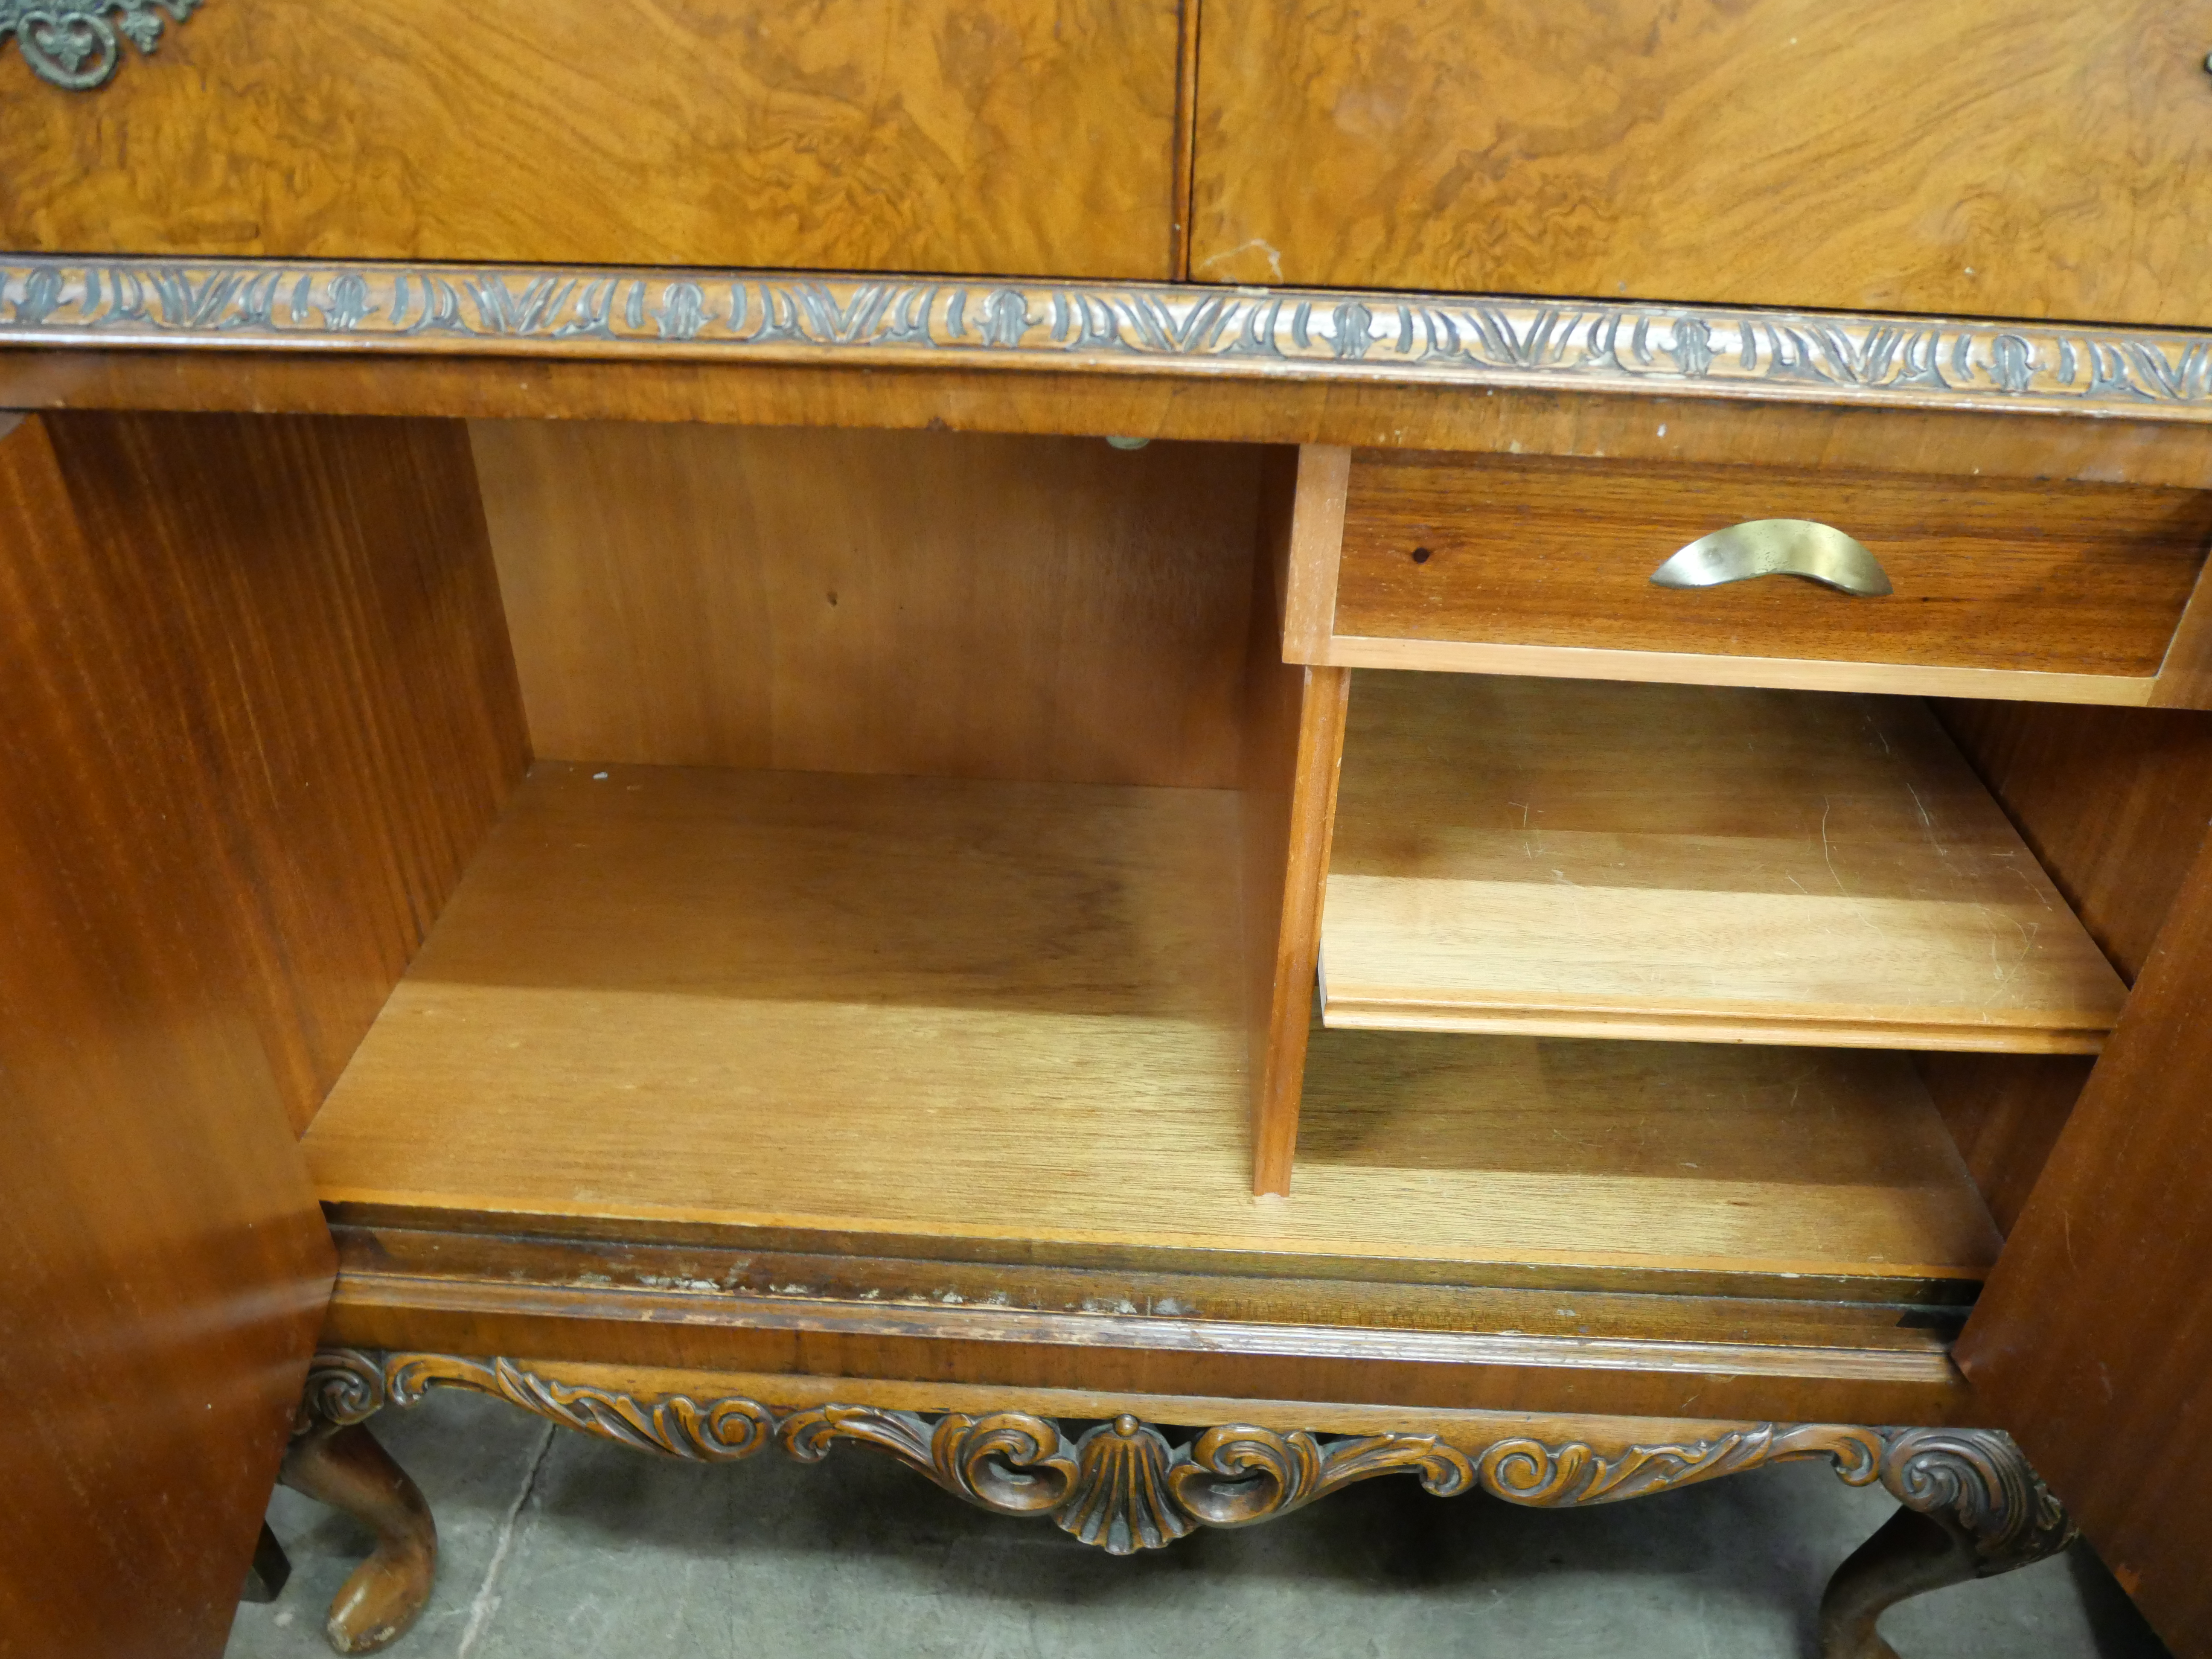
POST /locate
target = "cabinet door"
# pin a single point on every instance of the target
(2022, 158)
(1017, 136)
(163, 1265)
(2093, 1342)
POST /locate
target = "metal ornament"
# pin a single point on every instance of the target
(73, 45)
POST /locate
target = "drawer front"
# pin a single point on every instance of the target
(971, 136)
(2002, 576)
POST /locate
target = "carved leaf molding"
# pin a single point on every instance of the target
(1123, 1486)
(1179, 329)
(75, 45)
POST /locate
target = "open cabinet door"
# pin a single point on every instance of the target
(2093, 1343)
(163, 1265)
(258, 708)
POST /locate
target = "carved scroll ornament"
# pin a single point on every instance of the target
(1124, 1486)
(77, 44)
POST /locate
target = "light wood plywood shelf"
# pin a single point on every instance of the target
(1574, 858)
(932, 1010)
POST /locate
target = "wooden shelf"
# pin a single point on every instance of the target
(1575, 857)
(919, 1012)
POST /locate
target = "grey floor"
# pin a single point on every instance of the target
(556, 1545)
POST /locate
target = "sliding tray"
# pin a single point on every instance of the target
(1576, 858)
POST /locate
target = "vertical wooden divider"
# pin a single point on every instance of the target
(1305, 561)
(1294, 747)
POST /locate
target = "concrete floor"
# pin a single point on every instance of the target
(555, 1543)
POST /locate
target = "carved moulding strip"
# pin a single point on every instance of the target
(73, 45)
(1179, 329)
(1124, 1486)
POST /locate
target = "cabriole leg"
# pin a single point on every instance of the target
(335, 1460)
(1972, 1508)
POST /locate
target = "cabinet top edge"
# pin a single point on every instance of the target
(1173, 331)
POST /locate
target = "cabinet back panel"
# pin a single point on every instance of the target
(349, 691)
(917, 603)
(2113, 803)
(938, 135)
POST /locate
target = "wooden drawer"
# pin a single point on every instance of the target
(940, 136)
(2005, 587)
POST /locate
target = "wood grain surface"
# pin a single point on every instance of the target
(352, 697)
(2005, 575)
(1310, 817)
(982, 135)
(2112, 802)
(2005, 1112)
(1309, 556)
(1928, 443)
(2091, 1345)
(1052, 609)
(1586, 859)
(2036, 158)
(163, 1266)
(1015, 1011)
(1293, 739)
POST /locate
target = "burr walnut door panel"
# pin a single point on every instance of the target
(2011, 158)
(1031, 137)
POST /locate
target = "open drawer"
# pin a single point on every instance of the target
(2058, 591)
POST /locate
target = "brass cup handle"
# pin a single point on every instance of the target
(1776, 547)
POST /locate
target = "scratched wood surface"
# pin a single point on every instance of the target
(1923, 442)
(1013, 1322)
(942, 1009)
(1590, 859)
(2029, 158)
(913, 602)
(1013, 136)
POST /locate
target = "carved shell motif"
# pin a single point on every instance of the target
(1120, 1501)
(73, 43)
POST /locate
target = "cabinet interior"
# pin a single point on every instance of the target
(826, 834)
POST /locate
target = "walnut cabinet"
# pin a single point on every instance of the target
(612, 806)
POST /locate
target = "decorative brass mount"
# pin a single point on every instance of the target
(73, 45)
